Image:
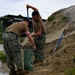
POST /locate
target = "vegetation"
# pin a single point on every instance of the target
(2, 56)
(65, 18)
(73, 59)
(54, 23)
(70, 71)
(0, 37)
(50, 18)
(21, 39)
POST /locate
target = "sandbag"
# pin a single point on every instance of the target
(28, 59)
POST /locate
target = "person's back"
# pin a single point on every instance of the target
(18, 28)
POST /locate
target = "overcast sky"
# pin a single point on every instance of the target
(46, 7)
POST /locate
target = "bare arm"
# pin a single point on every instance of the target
(38, 33)
(30, 39)
(29, 6)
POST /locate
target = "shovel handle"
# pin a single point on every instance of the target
(27, 13)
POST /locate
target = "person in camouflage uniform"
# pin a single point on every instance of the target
(12, 46)
(39, 34)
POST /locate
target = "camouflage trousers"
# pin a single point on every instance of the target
(12, 50)
(40, 43)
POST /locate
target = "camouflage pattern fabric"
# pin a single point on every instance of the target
(12, 50)
(40, 43)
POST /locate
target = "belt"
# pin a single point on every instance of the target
(43, 33)
(11, 33)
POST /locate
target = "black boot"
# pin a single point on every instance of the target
(12, 72)
(22, 72)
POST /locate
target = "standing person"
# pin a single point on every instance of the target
(39, 34)
(12, 46)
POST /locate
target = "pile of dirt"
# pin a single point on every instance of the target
(64, 57)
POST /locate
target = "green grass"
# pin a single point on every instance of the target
(70, 71)
(2, 56)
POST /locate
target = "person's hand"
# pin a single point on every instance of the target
(34, 47)
(27, 6)
(21, 46)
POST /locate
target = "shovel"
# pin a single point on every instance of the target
(58, 42)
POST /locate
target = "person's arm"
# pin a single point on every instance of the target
(38, 33)
(30, 39)
(29, 6)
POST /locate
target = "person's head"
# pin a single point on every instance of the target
(35, 15)
(26, 21)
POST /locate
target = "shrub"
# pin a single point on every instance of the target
(64, 17)
(21, 39)
(54, 23)
(2, 56)
(50, 18)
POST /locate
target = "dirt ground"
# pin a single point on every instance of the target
(61, 60)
